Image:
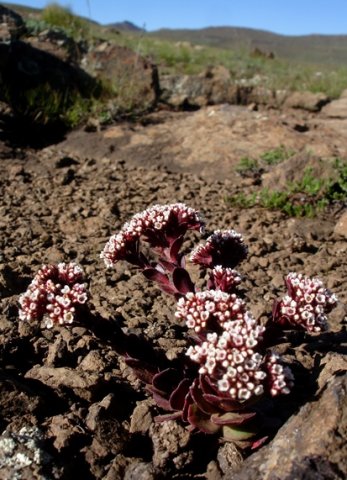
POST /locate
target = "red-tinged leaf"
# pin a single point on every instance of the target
(166, 380)
(175, 248)
(259, 443)
(200, 420)
(170, 289)
(207, 386)
(187, 402)
(198, 398)
(168, 416)
(182, 281)
(232, 418)
(155, 276)
(143, 371)
(222, 403)
(177, 398)
(234, 434)
(275, 310)
(168, 266)
(161, 401)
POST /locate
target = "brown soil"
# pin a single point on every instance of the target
(66, 396)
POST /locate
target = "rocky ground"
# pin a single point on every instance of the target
(70, 407)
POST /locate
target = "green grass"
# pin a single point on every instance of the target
(307, 197)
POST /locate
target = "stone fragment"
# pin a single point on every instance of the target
(84, 385)
(341, 226)
(141, 418)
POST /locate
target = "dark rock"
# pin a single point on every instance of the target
(12, 25)
(311, 445)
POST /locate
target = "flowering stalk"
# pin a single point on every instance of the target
(162, 228)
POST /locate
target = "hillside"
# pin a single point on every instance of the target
(314, 49)
(326, 49)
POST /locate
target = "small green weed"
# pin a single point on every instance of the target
(247, 165)
(305, 198)
(276, 155)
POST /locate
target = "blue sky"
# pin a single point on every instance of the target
(289, 17)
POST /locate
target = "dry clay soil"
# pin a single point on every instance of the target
(69, 406)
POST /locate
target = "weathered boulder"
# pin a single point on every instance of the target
(213, 86)
(57, 43)
(129, 76)
(313, 102)
(337, 108)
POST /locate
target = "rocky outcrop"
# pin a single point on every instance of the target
(129, 75)
(337, 108)
(12, 25)
(313, 102)
(311, 445)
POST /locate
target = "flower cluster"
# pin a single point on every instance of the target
(202, 310)
(223, 247)
(230, 357)
(306, 304)
(159, 225)
(54, 294)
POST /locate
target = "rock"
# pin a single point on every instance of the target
(139, 471)
(311, 445)
(292, 169)
(100, 410)
(83, 384)
(141, 418)
(64, 430)
(170, 439)
(22, 455)
(12, 25)
(56, 42)
(93, 362)
(132, 76)
(313, 102)
(337, 108)
(211, 87)
(341, 226)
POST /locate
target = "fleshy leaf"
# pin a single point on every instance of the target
(222, 403)
(177, 397)
(154, 275)
(237, 434)
(232, 418)
(182, 280)
(200, 420)
(175, 248)
(166, 380)
(143, 371)
(199, 399)
(160, 400)
(168, 416)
